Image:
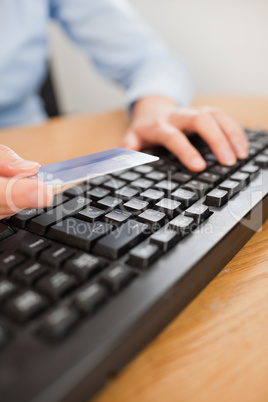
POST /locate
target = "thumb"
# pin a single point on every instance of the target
(12, 164)
(132, 141)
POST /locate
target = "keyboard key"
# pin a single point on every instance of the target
(114, 184)
(143, 255)
(242, 177)
(142, 183)
(97, 193)
(34, 246)
(99, 180)
(56, 255)
(117, 277)
(182, 224)
(41, 223)
(252, 170)
(90, 297)
(22, 218)
(220, 170)
(122, 239)
(210, 157)
(117, 216)
(143, 169)
(25, 306)
(233, 187)
(91, 214)
(181, 177)
(155, 175)
(153, 218)
(119, 173)
(77, 190)
(165, 238)
(261, 161)
(5, 231)
(29, 272)
(199, 187)
(126, 193)
(256, 144)
(109, 202)
(199, 212)
(9, 260)
(83, 265)
(170, 207)
(152, 195)
(167, 185)
(216, 198)
(211, 178)
(130, 176)
(186, 197)
(7, 289)
(136, 205)
(169, 168)
(78, 233)
(56, 284)
(58, 323)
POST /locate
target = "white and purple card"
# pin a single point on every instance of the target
(73, 171)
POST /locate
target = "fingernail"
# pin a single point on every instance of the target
(242, 151)
(198, 163)
(24, 164)
(228, 158)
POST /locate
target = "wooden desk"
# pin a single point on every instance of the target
(217, 348)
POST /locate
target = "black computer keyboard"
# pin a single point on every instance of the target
(86, 283)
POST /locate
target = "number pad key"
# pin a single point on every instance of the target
(152, 217)
(90, 297)
(117, 216)
(83, 265)
(56, 255)
(7, 289)
(9, 260)
(170, 207)
(143, 255)
(117, 277)
(165, 238)
(56, 284)
(199, 212)
(58, 323)
(216, 198)
(29, 272)
(182, 224)
(25, 306)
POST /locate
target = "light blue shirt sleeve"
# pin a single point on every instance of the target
(124, 49)
(109, 32)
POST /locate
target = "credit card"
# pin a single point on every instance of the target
(73, 171)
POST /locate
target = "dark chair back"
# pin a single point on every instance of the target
(48, 96)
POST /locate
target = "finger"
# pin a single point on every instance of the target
(133, 141)
(206, 126)
(19, 193)
(176, 141)
(12, 164)
(235, 134)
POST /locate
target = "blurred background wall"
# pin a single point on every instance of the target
(223, 41)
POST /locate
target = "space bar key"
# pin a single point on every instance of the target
(122, 239)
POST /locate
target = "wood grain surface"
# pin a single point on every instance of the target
(217, 348)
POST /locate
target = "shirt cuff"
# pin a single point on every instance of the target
(170, 80)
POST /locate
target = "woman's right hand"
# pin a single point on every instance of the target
(18, 190)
